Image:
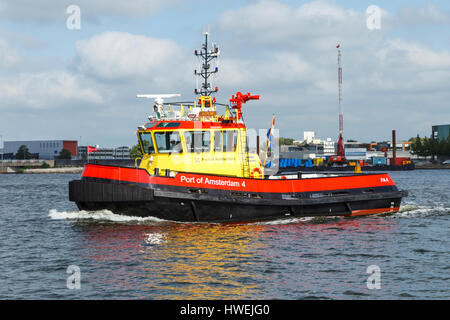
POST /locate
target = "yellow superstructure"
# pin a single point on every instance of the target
(208, 144)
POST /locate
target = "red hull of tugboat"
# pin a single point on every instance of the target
(214, 198)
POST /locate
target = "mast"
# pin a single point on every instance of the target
(205, 72)
(340, 147)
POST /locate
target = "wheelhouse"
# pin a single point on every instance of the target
(203, 147)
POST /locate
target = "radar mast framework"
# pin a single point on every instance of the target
(205, 72)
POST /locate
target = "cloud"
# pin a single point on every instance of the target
(9, 56)
(319, 23)
(55, 10)
(427, 14)
(45, 90)
(273, 70)
(288, 53)
(99, 83)
(420, 56)
(124, 56)
(24, 41)
(29, 83)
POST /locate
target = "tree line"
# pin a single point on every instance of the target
(426, 147)
(23, 153)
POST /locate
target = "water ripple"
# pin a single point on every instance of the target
(121, 257)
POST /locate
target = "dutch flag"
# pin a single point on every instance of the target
(270, 138)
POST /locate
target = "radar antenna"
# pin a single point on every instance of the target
(159, 101)
(205, 72)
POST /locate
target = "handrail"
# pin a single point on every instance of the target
(135, 161)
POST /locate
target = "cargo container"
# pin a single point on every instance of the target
(308, 163)
(318, 161)
(290, 163)
(379, 161)
(400, 161)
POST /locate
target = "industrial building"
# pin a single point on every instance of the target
(105, 153)
(355, 153)
(440, 132)
(329, 147)
(377, 153)
(41, 149)
(315, 145)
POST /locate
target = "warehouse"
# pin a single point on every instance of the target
(41, 149)
(441, 132)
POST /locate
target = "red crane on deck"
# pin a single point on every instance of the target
(239, 100)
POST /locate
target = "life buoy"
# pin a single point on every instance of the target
(256, 170)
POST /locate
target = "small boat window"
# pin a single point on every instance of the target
(197, 141)
(168, 141)
(146, 142)
(150, 124)
(168, 125)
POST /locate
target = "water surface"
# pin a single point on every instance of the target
(42, 233)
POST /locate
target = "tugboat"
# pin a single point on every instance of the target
(196, 167)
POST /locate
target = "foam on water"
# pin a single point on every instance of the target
(407, 210)
(100, 215)
(291, 220)
(411, 210)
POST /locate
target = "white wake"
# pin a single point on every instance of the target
(418, 210)
(100, 215)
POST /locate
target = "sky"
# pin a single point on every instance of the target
(60, 80)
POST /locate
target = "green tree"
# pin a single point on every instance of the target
(426, 149)
(65, 154)
(23, 153)
(45, 165)
(421, 146)
(434, 147)
(135, 151)
(447, 147)
(417, 146)
(285, 141)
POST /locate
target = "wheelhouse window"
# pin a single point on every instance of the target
(151, 124)
(225, 141)
(218, 141)
(197, 141)
(168, 141)
(229, 140)
(146, 142)
(168, 125)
